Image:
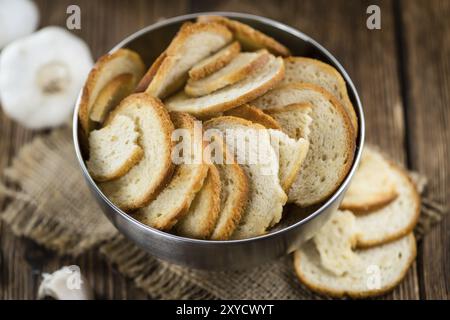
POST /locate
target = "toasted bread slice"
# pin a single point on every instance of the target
(253, 86)
(249, 38)
(107, 68)
(293, 119)
(148, 76)
(143, 182)
(114, 149)
(111, 95)
(234, 192)
(253, 114)
(193, 43)
(201, 218)
(239, 68)
(251, 143)
(215, 62)
(175, 199)
(332, 141)
(378, 270)
(291, 154)
(394, 220)
(335, 242)
(301, 69)
(373, 185)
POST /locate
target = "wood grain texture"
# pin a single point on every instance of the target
(370, 57)
(426, 52)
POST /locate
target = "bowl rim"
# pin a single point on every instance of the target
(272, 23)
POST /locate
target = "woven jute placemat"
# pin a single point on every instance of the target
(50, 203)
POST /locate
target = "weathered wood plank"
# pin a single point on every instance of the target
(103, 24)
(426, 52)
(370, 57)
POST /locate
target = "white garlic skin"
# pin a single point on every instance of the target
(41, 77)
(18, 18)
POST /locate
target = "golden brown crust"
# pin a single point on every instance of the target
(198, 88)
(146, 100)
(349, 293)
(171, 57)
(251, 39)
(123, 170)
(326, 68)
(362, 244)
(110, 96)
(86, 96)
(180, 120)
(150, 74)
(249, 96)
(216, 62)
(236, 208)
(253, 114)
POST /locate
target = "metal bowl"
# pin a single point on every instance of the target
(233, 254)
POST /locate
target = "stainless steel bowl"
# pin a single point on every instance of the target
(236, 254)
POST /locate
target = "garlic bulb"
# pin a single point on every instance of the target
(17, 19)
(66, 283)
(41, 76)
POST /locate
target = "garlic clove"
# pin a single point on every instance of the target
(66, 283)
(42, 75)
(18, 18)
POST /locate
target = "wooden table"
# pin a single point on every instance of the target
(402, 73)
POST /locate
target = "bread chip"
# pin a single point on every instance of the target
(373, 185)
(215, 62)
(114, 149)
(143, 182)
(378, 270)
(193, 43)
(394, 220)
(234, 192)
(249, 38)
(253, 86)
(201, 218)
(266, 199)
(111, 95)
(239, 68)
(173, 202)
(150, 74)
(301, 69)
(108, 67)
(332, 141)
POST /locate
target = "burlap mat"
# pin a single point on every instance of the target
(50, 203)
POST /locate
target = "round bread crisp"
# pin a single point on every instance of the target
(394, 220)
(253, 114)
(201, 218)
(301, 69)
(108, 67)
(215, 62)
(251, 87)
(148, 76)
(143, 182)
(240, 67)
(193, 43)
(266, 197)
(373, 185)
(173, 202)
(114, 149)
(250, 38)
(331, 137)
(380, 269)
